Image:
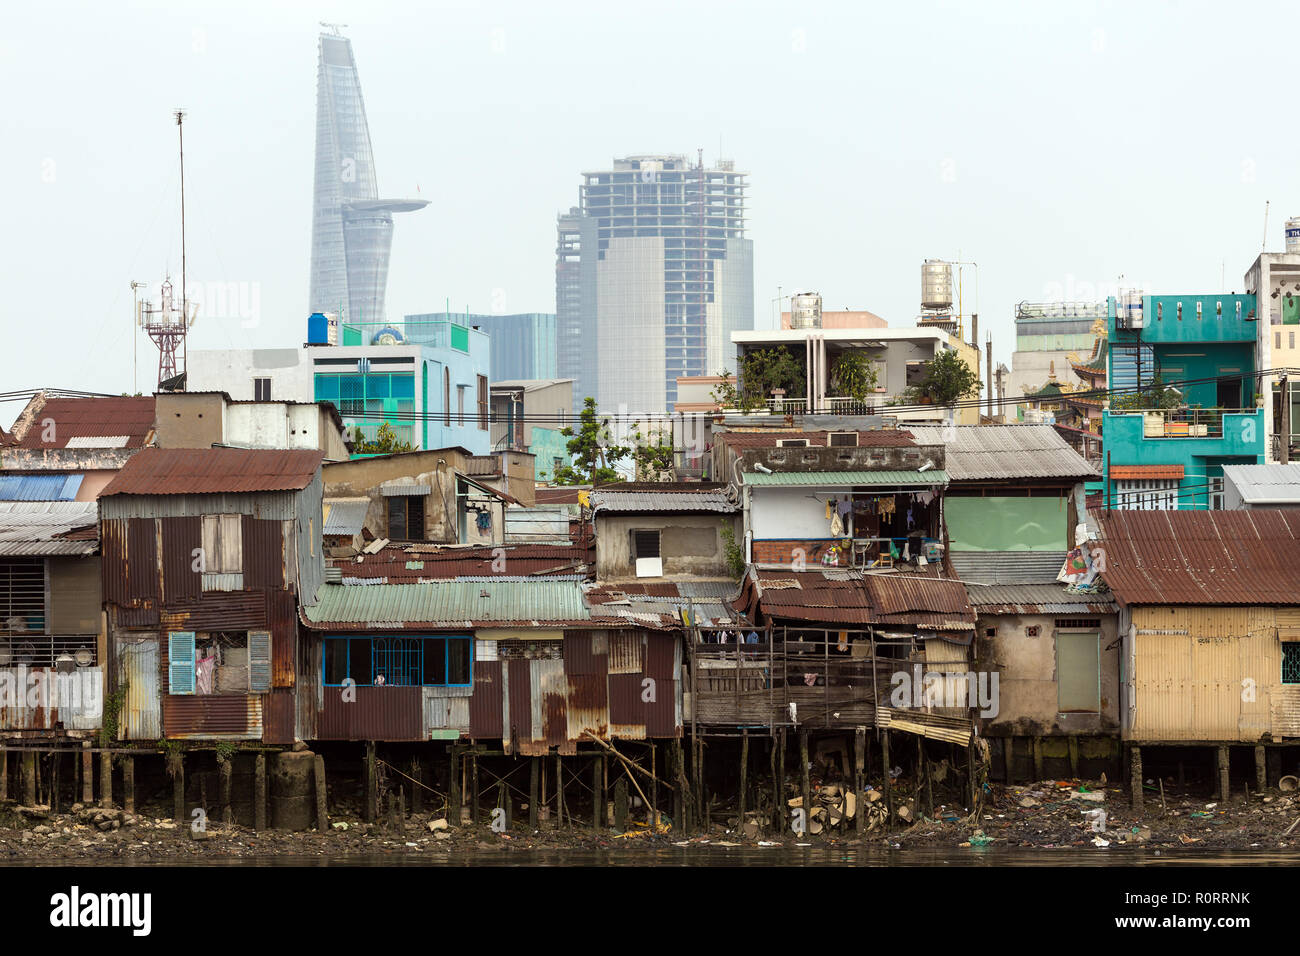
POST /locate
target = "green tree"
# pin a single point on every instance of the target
(654, 459)
(947, 379)
(385, 442)
(1156, 395)
(853, 375)
(591, 450)
(763, 370)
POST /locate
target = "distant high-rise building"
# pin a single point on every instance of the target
(352, 228)
(653, 274)
(522, 345)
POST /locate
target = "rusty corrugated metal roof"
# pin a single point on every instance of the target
(1035, 599)
(1202, 557)
(412, 564)
(128, 418)
(182, 471)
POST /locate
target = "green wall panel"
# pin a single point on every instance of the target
(1006, 524)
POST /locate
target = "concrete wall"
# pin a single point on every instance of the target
(232, 371)
(690, 544)
(190, 420)
(361, 478)
(1027, 681)
(789, 513)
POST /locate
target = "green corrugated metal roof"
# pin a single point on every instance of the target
(931, 477)
(453, 602)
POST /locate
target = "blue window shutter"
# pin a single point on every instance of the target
(180, 662)
(259, 662)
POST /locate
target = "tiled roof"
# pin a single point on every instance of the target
(1146, 471)
(414, 563)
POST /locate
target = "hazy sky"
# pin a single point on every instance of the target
(1057, 147)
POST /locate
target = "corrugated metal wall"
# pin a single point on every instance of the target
(181, 537)
(485, 717)
(43, 698)
(278, 717)
(586, 663)
(138, 666)
(213, 716)
(1197, 669)
(142, 559)
(378, 713)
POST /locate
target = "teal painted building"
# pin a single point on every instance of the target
(431, 385)
(1172, 458)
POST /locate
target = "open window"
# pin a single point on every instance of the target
(218, 662)
(645, 544)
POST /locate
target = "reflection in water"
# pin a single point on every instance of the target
(697, 855)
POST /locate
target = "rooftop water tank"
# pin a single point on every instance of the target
(936, 284)
(806, 310)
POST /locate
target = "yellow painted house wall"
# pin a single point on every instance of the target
(1212, 674)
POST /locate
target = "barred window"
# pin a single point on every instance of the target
(1291, 662)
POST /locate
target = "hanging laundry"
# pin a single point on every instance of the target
(484, 520)
(887, 505)
(206, 669)
(830, 508)
(843, 645)
(810, 679)
(837, 526)
(844, 507)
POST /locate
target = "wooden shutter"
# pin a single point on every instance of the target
(259, 662)
(180, 662)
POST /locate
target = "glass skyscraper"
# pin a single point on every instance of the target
(352, 228)
(653, 274)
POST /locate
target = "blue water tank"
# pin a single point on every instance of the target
(318, 329)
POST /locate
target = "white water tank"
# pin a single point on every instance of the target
(1293, 234)
(1131, 303)
(936, 284)
(806, 310)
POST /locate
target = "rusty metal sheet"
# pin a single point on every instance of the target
(626, 651)
(485, 706)
(626, 710)
(284, 637)
(660, 652)
(278, 717)
(661, 713)
(232, 716)
(548, 691)
(519, 717)
(219, 611)
(586, 653)
(264, 553)
(142, 559)
(1202, 557)
(308, 684)
(127, 417)
(40, 698)
(378, 713)
(146, 616)
(186, 471)
(181, 537)
(138, 668)
(112, 544)
(903, 593)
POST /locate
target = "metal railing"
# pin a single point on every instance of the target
(831, 405)
(44, 650)
(1183, 422)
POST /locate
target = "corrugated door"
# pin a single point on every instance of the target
(520, 716)
(485, 705)
(263, 542)
(277, 717)
(1162, 687)
(138, 667)
(142, 559)
(181, 538)
(549, 691)
(626, 710)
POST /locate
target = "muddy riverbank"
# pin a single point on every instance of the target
(1047, 815)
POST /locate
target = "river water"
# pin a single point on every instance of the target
(746, 856)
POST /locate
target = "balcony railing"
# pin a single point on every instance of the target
(831, 405)
(1184, 422)
(45, 650)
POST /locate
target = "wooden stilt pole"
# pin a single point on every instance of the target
(744, 779)
(259, 792)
